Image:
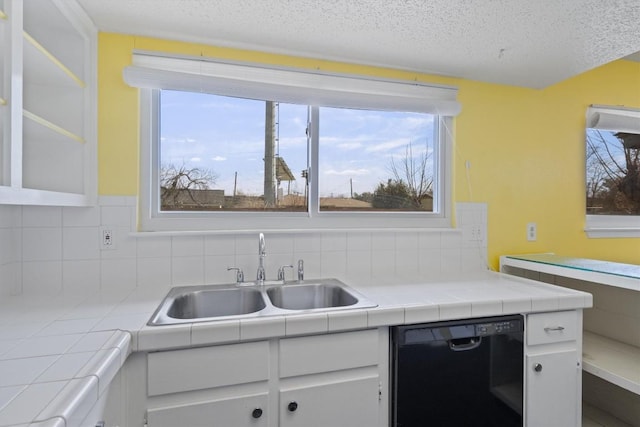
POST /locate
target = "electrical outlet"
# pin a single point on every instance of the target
(532, 232)
(107, 239)
(476, 233)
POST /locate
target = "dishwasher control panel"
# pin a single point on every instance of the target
(493, 328)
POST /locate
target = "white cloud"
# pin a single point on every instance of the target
(349, 145)
(218, 159)
(386, 146)
(195, 159)
(351, 172)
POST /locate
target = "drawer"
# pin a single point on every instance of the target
(207, 367)
(232, 411)
(548, 328)
(325, 353)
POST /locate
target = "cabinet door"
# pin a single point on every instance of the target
(339, 404)
(552, 389)
(239, 411)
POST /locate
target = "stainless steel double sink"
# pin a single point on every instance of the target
(221, 302)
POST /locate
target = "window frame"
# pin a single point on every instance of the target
(152, 219)
(611, 226)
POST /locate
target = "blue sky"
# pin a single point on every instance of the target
(226, 135)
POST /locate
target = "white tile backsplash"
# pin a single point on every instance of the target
(187, 246)
(42, 277)
(50, 249)
(81, 276)
(187, 270)
(118, 273)
(154, 272)
(154, 247)
(358, 241)
(333, 241)
(215, 269)
(42, 216)
(42, 244)
(116, 216)
(80, 243)
(220, 245)
(429, 240)
(124, 244)
(80, 217)
(307, 243)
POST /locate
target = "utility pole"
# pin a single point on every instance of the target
(235, 184)
(269, 154)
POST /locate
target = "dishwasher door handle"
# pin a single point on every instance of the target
(464, 344)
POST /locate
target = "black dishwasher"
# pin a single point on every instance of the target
(459, 373)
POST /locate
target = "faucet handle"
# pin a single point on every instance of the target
(239, 274)
(281, 271)
(300, 270)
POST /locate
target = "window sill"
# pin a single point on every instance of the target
(612, 226)
(612, 233)
(143, 234)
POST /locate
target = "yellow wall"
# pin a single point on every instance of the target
(524, 147)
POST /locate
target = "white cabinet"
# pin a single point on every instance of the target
(332, 380)
(552, 380)
(47, 104)
(335, 403)
(209, 386)
(552, 369)
(323, 380)
(238, 411)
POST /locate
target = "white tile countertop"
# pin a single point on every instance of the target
(58, 354)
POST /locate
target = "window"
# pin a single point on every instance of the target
(376, 160)
(273, 151)
(613, 172)
(219, 153)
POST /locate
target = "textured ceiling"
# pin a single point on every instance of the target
(531, 43)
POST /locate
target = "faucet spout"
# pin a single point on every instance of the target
(261, 275)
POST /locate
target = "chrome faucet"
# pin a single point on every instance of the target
(300, 270)
(261, 276)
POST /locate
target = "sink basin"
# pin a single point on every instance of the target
(207, 302)
(221, 302)
(214, 303)
(311, 296)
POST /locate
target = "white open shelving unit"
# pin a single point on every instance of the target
(49, 114)
(605, 357)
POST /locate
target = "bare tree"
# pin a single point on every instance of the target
(613, 172)
(415, 173)
(175, 181)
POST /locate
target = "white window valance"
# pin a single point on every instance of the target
(617, 119)
(152, 70)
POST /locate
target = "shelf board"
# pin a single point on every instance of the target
(611, 360)
(43, 122)
(600, 272)
(595, 417)
(54, 60)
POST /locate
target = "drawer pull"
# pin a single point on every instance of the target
(556, 328)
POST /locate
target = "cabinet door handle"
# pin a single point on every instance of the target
(537, 367)
(555, 328)
(292, 406)
(257, 413)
